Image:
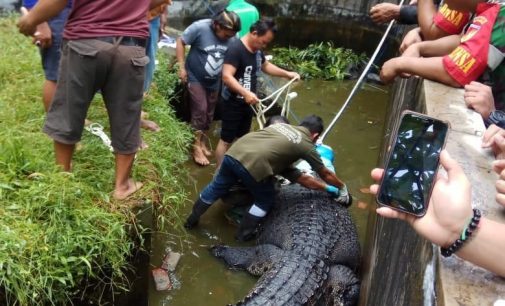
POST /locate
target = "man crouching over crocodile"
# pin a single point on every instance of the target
(254, 160)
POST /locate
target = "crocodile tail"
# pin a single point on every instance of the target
(293, 280)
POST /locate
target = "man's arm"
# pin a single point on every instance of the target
(433, 48)
(234, 85)
(311, 182)
(408, 14)
(431, 68)
(439, 47)
(274, 70)
(41, 12)
(448, 212)
(479, 97)
(330, 177)
(384, 12)
(156, 3)
(426, 11)
(180, 54)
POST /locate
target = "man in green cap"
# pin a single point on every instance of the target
(247, 12)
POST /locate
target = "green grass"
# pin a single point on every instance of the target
(317, 61)
(61, 232)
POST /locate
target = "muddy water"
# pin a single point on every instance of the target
(203, 280)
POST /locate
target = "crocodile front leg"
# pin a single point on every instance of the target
(342, 287)
(256, 260)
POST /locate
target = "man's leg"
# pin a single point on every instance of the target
(264, 197)
(198, 154)
(48, 90)
(203, 143)
(66, 114)
(199, 105)
(122, 93)
(212, 97)
(236, 122)
(151, 47)
(63, 153)
(124, 186)
(51, 57)
(219, 186)
(222, 147)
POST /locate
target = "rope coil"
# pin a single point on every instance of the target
(97, 130)
(260, 108)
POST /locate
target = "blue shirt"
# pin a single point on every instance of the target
(31, 3)
(206, 56)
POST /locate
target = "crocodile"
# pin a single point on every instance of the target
(307, 253)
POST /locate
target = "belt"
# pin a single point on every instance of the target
(125, 40)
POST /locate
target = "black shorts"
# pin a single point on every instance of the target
(236, 119)
(89, 61)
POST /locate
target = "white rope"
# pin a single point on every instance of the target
(286, 106)
(97, 130)
(358, 83)
(260, 109)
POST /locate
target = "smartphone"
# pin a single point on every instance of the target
(412, 163)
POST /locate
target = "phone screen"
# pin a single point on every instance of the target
(413, 163)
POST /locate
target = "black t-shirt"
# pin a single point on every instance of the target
(247, 64)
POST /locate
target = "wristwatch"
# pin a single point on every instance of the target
(497, 117)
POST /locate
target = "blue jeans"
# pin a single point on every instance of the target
(51, 56)
(232, 172)
(151, 48)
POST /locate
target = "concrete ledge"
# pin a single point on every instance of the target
(460, 282)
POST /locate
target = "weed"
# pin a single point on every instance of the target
(60, 232)
(317, 61)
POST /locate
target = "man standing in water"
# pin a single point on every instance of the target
(240, 71)
(103, 49)
(281, 145)
(209, 40)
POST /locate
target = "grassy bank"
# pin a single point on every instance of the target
(59, 232)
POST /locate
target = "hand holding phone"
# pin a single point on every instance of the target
(412, 163)
(449, 209)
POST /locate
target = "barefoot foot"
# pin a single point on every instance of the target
(199, 157)
(205, 150)
(126, 191)
(143, 145)
(149, 125)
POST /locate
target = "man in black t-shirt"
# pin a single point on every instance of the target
(242, 62)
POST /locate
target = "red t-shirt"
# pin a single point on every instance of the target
(469, 60)
(451, 21)
(99, 18)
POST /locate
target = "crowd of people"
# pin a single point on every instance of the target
(460, 44)
(109, 46)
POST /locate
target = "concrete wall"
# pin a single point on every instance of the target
(395, 256)
(8, 5)
(290, 8)
(344, 22)
(400, 268)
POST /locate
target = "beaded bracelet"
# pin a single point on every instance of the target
(465, 235)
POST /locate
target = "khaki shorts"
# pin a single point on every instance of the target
(89, 65)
